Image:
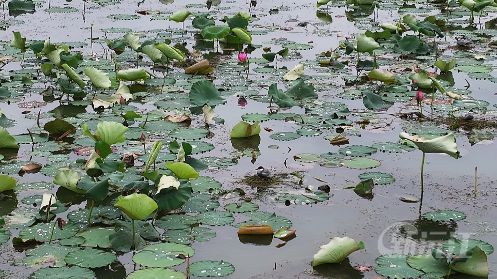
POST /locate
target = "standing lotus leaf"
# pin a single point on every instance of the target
(136, 206)
(336, 251)
(444, 144)
(366, 44)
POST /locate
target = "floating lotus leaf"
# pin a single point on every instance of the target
(136, 206)
(474, 68)
(285, 136)
(322, 2)
(428, 264)
(357, 150)
(96, 237)
(102, 214)
(444, 215)
(47, 252)
(163, 255)
(211, 268)
(188, 236)
(43, 231)
(303, 198)
(302, 91)
(4, 234)
(374, 101)
(265, 218)
(379, 178)
(18, 7)
(462, 246)
(444, 144)
(204, 184)
(255, 117)
(153, 273)
(294, 46)
(336, 251)
(73, 272)
(215, 218)
(241, 207)
(90, 258)
(396, 267)
(281, 98)
(393, 147)
(306, 157)
(200, 203)
(176, 222)
(361, 163)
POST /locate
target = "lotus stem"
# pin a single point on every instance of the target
(476, 180)
(48, 208)
(422, 168)
(91, 209)
(133, 225)
(53, 228)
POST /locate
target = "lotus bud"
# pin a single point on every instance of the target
(242, 57)
(96, 151)
(419, 97)
(142, 138)
(122, 101)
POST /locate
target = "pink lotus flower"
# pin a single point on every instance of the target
(419, 97)
(242, 57)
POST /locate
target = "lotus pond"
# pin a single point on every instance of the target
(130, 133)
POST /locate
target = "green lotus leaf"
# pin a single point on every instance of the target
(322, 2)
(47, 252)
(188, 133)
(366, 44)
(99, 191)
(91, 258)
(302, 91)
(374, 101)
(73, 272)
(96, 237)
(475, 265)
(215, 218)
(136, 206)
(176, 222)
(98, 77)
(200, 22)
(242, 34)
(171, 198)
(6, 140)
(7, 183)
(133, 41)
(43, 232)
(336, 251)
(211, 268)
(428, 264)
(474, 68)
(215, 32)
(59, 127)
(180, 16)
(68, 179)
(73, 75)
(444, 144)
(280, 98)
(395, 266)
(285, 136)
(18, 7)
(461, 246)
(182, 170)
(410, 43)
(200, 203)
(189, 235)
(265, 218)
(245, 130)
(241, 207)
(269, 56)
(357, 150)
(444, 215)
(205, 92)
(18, 41)
(109, 132)
(54, 56)
(170, 52)
(132, 75)
(365, 188)
(163, 255)
(445, 66)
(153, 53)
(361, 163)
(153, 273)
(383, 76)
(237, 21)
(379, 178)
